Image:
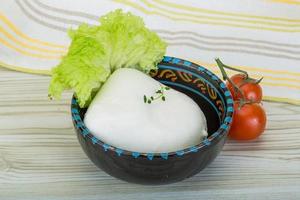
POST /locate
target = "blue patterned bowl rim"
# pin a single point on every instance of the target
(213, 138)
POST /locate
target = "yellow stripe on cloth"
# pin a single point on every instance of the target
(217, 17)
(265, 81)
(253, 69)
(28, 46)
(197, 9)
(216, 70)
(19, 33)
(294, 2)
(21, 51)
(285, 100)
(25, 69)
(271, 78)
(199, 21)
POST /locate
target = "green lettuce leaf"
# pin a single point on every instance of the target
(121, 40)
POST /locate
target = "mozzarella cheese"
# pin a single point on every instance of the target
(119, 116)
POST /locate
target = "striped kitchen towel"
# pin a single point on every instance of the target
(259, 36)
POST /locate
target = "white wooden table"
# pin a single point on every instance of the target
(40, 157)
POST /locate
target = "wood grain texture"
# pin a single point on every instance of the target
(40, 157)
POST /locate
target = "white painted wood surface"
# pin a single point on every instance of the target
(40, 157)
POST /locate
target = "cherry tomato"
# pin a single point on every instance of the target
(252, 91)
(249, 121)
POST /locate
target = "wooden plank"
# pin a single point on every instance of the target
(40, 157)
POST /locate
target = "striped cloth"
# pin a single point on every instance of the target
(260, 36)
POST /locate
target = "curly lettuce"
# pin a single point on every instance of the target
(121, 40)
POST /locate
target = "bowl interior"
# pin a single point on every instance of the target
(211, 115)
(199, 84)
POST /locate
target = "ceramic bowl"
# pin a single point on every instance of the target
(212, 96)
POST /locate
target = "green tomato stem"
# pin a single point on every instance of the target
(231, 68)
(225, 76)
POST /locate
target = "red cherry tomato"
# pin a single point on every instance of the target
(252, 91)
(249, 121)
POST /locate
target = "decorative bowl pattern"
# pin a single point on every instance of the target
(212, 96)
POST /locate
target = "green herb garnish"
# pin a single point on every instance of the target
(159, 94)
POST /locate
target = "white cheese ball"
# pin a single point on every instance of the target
(119, 116)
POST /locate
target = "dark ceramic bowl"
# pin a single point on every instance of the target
(212, 96)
